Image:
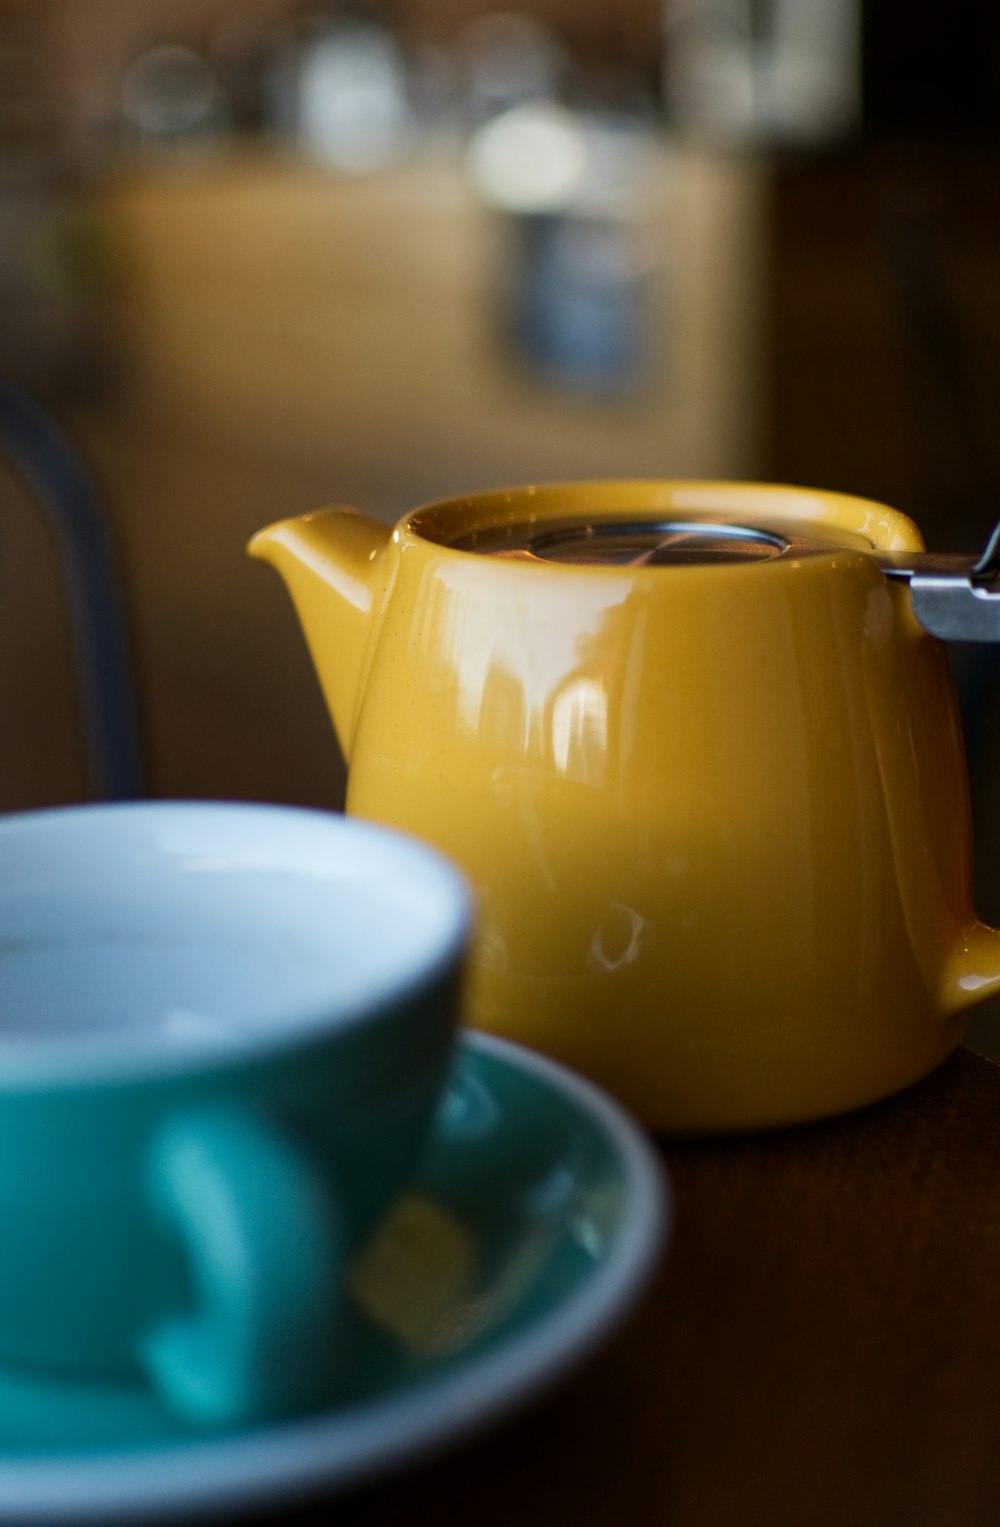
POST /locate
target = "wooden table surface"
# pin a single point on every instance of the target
(821, 1347)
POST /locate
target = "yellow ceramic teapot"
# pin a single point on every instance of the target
(700, 761)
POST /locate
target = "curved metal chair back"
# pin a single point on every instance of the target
(61, 487)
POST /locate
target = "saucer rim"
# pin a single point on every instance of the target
(276, 1464)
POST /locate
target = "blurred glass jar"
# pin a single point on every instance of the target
(171, 98)
(578, 264)
(785, 74)
(339, 87)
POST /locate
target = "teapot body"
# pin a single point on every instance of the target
(715, 817)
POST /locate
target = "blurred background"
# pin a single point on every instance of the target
(257, 256)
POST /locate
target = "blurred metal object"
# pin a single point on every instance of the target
(785, 73)
(171, 97)
(59, 484)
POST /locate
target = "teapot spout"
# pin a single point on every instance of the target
(332, 563)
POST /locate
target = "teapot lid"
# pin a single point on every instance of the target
(637, 542)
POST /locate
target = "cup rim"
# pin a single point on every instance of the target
(73, 1063)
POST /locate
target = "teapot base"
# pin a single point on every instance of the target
(685, 1082)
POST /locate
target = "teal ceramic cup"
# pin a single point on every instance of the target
(223, 1031)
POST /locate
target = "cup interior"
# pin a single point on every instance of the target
(174, 926)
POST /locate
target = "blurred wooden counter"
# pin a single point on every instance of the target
(287, 338)
(358, 318)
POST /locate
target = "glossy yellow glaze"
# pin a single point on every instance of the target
(716, 817)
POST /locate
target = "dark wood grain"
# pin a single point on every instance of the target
(821, 1347)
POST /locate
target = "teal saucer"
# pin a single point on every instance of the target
(537, 1216)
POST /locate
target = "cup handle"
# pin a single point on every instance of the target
(264, 1248)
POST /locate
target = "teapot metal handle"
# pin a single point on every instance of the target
(987, 569)
(953, 598)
